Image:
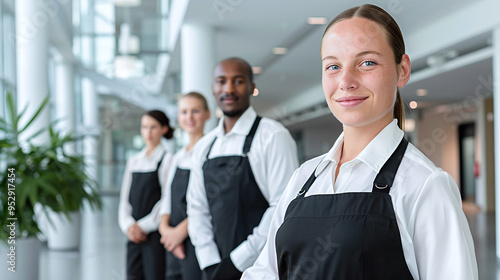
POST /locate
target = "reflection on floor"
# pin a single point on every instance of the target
(102, 252)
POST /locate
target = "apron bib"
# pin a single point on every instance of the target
(347, 236)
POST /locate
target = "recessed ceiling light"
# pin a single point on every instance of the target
(127, 3)
(255, 92)
(317, 20)
(257, 70)
(413, 104)
(421, 92)
(280, 50)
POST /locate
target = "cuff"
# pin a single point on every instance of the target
(243, 256)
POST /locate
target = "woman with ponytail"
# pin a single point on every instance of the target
(144, 181)
(373, 207)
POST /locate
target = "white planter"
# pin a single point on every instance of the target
(24, 258)
(63, 234)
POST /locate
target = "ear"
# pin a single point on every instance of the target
(207, 117)
(252, 88)
(404, 71)
(164, 129)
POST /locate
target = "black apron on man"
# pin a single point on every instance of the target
(145, 260)
(347, 236)
(188, 268)
(235, 201)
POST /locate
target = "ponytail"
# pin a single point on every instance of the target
(399, 111)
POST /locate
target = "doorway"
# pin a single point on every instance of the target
(467, 146)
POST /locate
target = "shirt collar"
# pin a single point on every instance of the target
(242, 125)
(375, 154)
(157, 152)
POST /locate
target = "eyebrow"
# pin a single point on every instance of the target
(358, 55)
(234, 77)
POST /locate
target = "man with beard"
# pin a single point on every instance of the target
(242, 168)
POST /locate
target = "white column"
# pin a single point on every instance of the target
(65, 101)
(197, 64)
(90, 107)
(32, 55)
(496, 110)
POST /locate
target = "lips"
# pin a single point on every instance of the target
(350, 101)
(228, 99)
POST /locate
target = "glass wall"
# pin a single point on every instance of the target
(7, 52)
(117, 42)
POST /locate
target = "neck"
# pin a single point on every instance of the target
(193, 138)
(229, 122)
(150, 149)
(357, 138)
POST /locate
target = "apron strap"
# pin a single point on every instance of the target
(385, 178)
(210, 148)
(161, 159)
(307, 185)
(251, 134)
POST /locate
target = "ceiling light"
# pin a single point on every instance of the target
(257, 70)
(421, 92)
(413, 104)
(127, 3)
(317, 20)
(255, 92)
(409, 125)
(280, 51)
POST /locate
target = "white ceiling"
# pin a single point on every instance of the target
(251, 28)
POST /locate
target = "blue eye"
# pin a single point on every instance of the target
(369, 63)
(333, 67)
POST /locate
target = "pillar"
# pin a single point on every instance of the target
(197, 64)
(65, 103)
(90, 107)
(32, 59)
(496, 109)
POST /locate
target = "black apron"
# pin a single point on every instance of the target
(235, 201)
(188, 268)
(347, 236)
(145, 192)
(145, 260)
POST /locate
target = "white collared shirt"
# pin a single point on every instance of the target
(143, 163)
(182, 159)
(273, 158)
(436, 239)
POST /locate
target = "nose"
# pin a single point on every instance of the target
(229, 87)
(348, 80)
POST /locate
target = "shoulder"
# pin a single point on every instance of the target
(269, 128)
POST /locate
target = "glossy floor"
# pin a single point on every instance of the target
(102, 252)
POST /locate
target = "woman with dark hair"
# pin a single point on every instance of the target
(182, 264)
(144, 180)
(373, 207)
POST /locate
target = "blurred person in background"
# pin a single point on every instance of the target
(144, 181)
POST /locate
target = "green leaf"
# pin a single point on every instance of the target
(36, 114)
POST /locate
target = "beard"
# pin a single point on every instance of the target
(233, 113)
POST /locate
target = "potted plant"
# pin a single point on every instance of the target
(43, 175)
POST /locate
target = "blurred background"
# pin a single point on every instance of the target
(102, 63)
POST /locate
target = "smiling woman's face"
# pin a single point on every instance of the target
(360, 76)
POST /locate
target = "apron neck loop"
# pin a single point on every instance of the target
(251, 134)
(385, 178)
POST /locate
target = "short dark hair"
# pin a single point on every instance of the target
(163, 120)
(245, 64)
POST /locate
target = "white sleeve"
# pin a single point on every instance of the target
(280, 159)
(266, 266)
(125, 219)
(165, 208)
(150, 222)
(442, 239)
(200, 223)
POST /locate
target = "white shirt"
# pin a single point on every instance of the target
(182, 159)
(272, 157)
(435, 235)
(143, 163)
